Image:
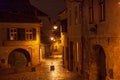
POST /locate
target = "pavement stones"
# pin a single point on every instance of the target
(49, 69)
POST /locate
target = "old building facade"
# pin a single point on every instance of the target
(96, 37)
(20, 43)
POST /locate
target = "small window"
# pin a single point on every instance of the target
(21, 34)
(69, 17)
(102, 10)
(30, 34)
(76, 15)
(91, 15)
(80, 13)
(12, 34)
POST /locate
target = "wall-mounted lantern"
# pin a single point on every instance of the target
(94, 29)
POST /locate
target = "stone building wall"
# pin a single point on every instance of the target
(6, 47)
(106, 36)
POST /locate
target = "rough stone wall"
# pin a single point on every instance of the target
(107, 36)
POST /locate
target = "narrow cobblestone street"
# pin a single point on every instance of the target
(50, 69)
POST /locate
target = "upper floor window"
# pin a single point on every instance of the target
(102, 10)
(28, 34)
(21, 34)
(80, 13)
(64, 25)
(91, 14)
(69, 17)
(12, 34)
(76, 15)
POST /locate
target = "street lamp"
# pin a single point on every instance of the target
(55, 27)
(52, 38)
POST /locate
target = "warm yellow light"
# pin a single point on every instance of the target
(119, 3)
(52, 39)
(55, 27)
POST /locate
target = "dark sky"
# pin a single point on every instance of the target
(50, 7)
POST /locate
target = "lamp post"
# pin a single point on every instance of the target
(55, 27)
(52, 38)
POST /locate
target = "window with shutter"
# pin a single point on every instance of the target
(12, 34)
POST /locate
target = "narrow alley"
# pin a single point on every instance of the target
(50, 69)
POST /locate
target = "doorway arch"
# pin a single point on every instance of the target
(98, 63)
(19, 58)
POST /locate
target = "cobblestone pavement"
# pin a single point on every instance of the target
(50, 69)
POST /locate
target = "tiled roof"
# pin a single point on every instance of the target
(14, 17)
(18, 11)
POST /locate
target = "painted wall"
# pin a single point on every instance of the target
(6, 47)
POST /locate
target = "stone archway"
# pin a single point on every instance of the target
(98, 64)
(19, 58)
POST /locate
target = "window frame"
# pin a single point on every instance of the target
(70, 17)
(28, 34)
(80, 13)
(76, 15)
(21, 34)
(102, 10)
(91, 12)
(13, 34)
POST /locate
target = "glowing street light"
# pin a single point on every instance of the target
(52, 38)
(55, 27)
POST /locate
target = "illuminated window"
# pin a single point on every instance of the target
(12, 34)
(102, 10)
(30, 34)
(21, 34)
(91, 15)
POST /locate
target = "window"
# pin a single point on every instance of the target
(102, 10)
(30, 34)
(76, 15)
(21, 34)
(69, 17)
(91, 15)
(12, 34)
(80, 13)
(64, 25)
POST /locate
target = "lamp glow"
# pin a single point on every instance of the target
(55, 27)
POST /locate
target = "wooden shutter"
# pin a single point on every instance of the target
(21, 33)
(34, 34)
(64, 25)
(8, 33)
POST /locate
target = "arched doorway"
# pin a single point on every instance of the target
(19, 58)
(98, 64)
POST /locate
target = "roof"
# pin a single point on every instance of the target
(18, 11)
(14, 17)
(18, 5)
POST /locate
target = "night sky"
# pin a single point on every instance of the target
(50, 7)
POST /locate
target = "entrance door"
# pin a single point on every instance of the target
(98, 64)
(18, 58)
(71, 56)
